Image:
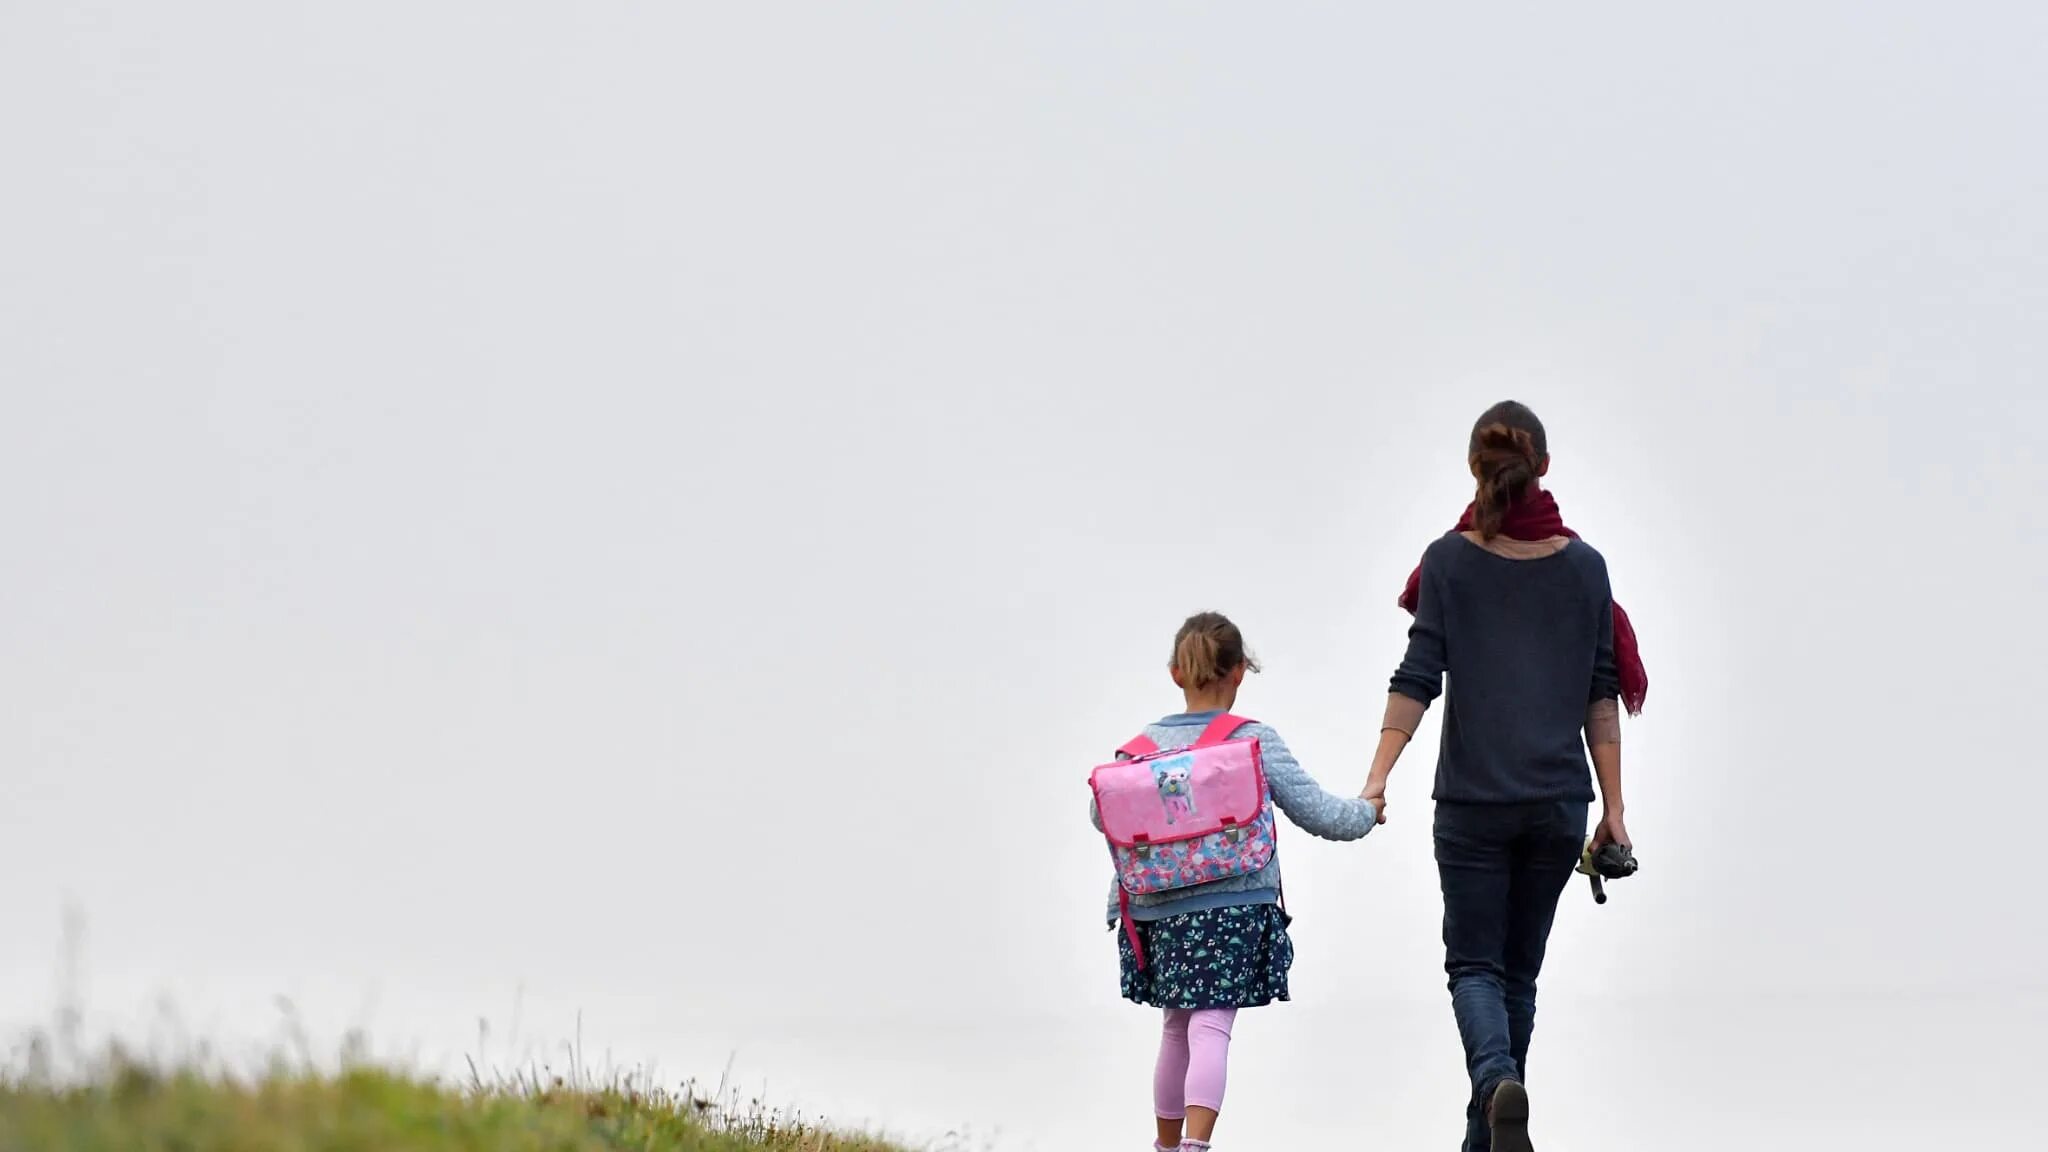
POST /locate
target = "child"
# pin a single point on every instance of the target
(1201, 953)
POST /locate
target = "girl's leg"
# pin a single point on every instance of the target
(1170, 1077)
(1208, 1069)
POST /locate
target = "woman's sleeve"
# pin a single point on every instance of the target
(1296, 793)
(1606, 676)
(1421, 674)
(1603, 715)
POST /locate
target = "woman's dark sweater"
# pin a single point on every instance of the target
(1528, 645)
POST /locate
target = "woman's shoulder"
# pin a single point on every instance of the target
(1586, 554)
(1589, 562)
(1444, 547)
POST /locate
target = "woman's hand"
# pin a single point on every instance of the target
(1612, 830)
(1392, 740)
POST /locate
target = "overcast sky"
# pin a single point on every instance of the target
(652, 510)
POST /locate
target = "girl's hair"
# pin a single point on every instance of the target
(1207, 649)
(1508, 450)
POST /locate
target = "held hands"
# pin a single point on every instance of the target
(1376, 791)
(1392, 740)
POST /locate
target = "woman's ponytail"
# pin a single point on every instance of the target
(1504, 463)
(1507, 453)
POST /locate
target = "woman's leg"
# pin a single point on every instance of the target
(1543, 866)
(1170, 1077)
(1474, 867)
(1208, 1069)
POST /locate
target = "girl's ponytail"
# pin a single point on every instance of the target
(1207, 649)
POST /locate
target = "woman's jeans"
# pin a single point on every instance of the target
(1503, 867)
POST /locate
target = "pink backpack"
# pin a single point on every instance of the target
(1185, 817)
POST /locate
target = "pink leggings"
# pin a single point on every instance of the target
(1194, 1055)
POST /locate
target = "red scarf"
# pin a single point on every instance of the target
(1537, 518)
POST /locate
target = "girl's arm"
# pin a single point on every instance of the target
(1296, 793)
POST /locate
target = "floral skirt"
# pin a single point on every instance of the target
(1216, 958)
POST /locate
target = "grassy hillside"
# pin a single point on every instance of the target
(127, 1107)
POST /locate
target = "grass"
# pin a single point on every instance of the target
(125, 1104)
(59, 1096)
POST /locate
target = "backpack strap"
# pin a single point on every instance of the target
(1123, 907)
(1217, 731)
(1136, 746)
(1220, 729)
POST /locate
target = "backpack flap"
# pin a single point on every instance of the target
(1189, 816)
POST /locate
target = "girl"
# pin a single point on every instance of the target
(1517, 610)
(1214, 948)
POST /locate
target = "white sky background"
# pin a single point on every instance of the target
(653, 510)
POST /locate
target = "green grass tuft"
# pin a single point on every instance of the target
(125, 1105)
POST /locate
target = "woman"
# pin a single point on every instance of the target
(1517, 610)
